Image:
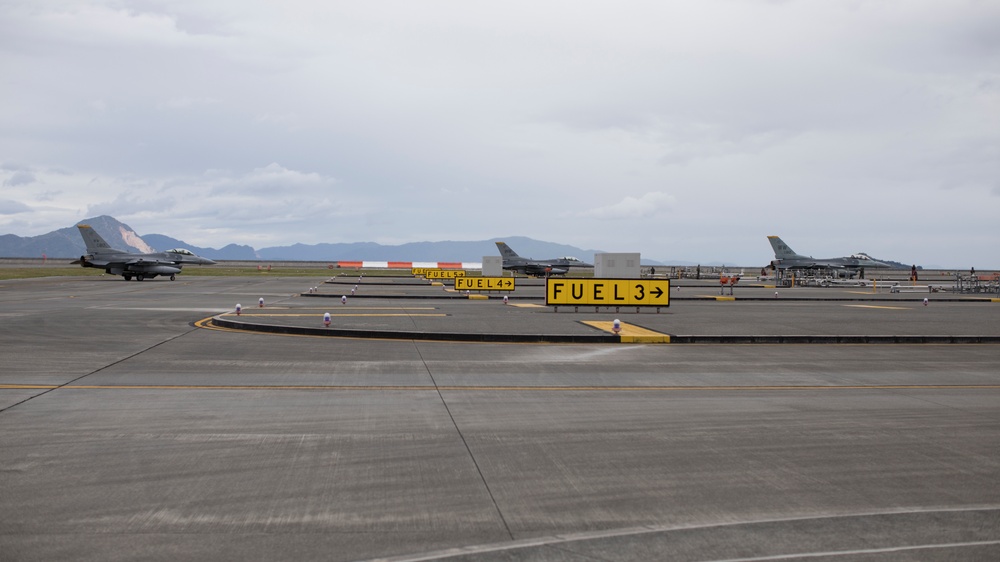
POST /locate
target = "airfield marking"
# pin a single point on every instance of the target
(527, 305)
(629, 333)
(216, 310)
(589, 388)
(336, 314)
(266, 308)
(206, 323)
(875, 306)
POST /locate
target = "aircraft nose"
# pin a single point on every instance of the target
(206, 261)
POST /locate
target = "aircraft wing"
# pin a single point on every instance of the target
(137, 265)
(808, 264)
(148, 261)
(824, 265)
(92, 262)
(544, 269)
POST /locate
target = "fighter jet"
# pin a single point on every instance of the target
(528, 266)
(141, 266)
(786, 258)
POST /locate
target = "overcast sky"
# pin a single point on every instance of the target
(681, 130)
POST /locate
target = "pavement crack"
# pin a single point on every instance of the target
(72, 382)
(465, 443)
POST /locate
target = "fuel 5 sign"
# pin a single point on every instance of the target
(607, 292)
(444, 273)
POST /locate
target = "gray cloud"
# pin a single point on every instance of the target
(130, 204)
(8, 207)
(271, 124)
(632, 208)
(19, 178)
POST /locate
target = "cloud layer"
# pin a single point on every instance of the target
(841, 126)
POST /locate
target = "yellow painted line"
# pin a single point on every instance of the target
(725, 298)
(729, 388)
(527, 305)
(629, 333)
(28, 386)
(994, 300)
(206, 323)
(333, 314)
(874, 306)
(479, 297)
(350, 307)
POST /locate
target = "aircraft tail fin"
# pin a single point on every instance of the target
(781, 250)
(95, 244)
(506, 251)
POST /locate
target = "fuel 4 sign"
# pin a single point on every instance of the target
(607, 292)
(484, 283)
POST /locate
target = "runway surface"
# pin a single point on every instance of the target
(130, 433)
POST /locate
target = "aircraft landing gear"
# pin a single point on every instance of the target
(140, 277)
(172, 277)
(127, 277)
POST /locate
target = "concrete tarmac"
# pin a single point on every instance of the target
(130, 433)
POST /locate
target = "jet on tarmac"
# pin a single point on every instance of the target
(786, 258)
(528, 266)
(141, 266)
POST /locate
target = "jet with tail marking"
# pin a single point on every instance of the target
(786, 258)
(141, 266)
(540, 268)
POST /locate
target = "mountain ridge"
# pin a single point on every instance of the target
(67, 243)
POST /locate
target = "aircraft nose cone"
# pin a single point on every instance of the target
(206, 261)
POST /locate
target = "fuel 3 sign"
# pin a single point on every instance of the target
(607, 292)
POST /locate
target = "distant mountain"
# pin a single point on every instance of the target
(230, 252)
(423, 251)
(67, 243)
(898, 265)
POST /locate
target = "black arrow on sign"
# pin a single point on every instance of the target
(658, 292)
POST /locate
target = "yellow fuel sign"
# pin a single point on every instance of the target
(484, 283)
(443, 273)
(607, 292)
